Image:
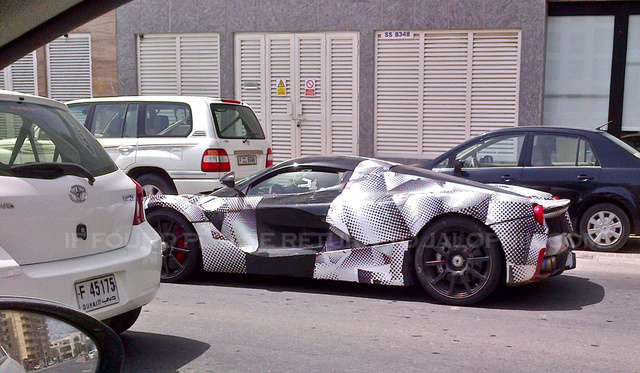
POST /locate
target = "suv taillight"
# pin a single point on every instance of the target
(215, 160)
(269, 158)
(139, 217)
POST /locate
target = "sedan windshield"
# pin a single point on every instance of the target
(32, 134)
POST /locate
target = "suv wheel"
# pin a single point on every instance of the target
(153, 185)
(604, 227)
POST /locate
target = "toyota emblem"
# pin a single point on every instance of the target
(77, 193)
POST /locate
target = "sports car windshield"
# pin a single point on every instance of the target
(34, 135)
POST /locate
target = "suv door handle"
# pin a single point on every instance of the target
(125, 149)
(584, 177)
(507, 178)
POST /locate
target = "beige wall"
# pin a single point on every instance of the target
(104, 67)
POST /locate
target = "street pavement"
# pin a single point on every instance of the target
(586, 320)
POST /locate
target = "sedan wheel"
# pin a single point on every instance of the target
(604, 227)
(458, 261)
(181, 257)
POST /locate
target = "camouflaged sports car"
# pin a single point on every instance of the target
(368, 221)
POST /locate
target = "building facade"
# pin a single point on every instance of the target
(396, 79)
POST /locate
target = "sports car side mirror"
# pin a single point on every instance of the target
(37, 334)
(229, 180)
(457, 167)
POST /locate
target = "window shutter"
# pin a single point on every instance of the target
(398, 66)
(185, 64)
(279, 66)
(494, 81)
(312, 132)
(440, 88)
(157, 65)
(199, 66)
(21, 76)
(69, 67)
(249, 62)
(342, 80)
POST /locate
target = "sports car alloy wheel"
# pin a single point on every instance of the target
(181, 256)
(458, 261)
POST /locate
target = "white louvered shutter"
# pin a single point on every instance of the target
(69, 67)
(280, 66)
(342, 81)
(445, 99)
(157, 65)
(469, 85)
(184, 64)
(398, 66)
(21, 76)
(494, 81)
(310, 60)
(250, 73)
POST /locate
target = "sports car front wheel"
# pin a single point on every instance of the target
(458, 261)
(181, 257)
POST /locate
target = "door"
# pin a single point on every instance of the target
(562, 165)
(114, 125)
(496, 159)
(303, 87)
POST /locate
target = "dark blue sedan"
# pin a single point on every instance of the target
(598, 172)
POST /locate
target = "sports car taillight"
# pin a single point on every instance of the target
(215, 160)
(538, 214)
(269, 158)
(138, 217)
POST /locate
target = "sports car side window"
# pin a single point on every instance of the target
(502, 151)
(298, 181)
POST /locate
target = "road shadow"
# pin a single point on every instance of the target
(148, 352)
(564, 292)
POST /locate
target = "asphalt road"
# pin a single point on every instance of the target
(586, 320)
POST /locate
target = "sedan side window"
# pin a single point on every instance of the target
(299, 181)
(500, 151)
(561, 151)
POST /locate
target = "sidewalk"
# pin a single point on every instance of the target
(618, 256)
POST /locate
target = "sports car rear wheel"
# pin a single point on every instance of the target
(458, 261)
(181, 256)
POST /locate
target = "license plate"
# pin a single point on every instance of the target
(245, 160)
(97, 293)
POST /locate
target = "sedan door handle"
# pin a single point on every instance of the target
(507, 178)
(125, 149)
(584, 177)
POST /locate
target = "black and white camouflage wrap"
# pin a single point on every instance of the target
(383, 211)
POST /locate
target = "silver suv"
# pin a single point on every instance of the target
(177, 144)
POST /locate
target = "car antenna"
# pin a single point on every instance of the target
(599, 128)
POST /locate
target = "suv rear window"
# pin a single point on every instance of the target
(236, 122)
(31, 134)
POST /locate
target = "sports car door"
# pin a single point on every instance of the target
(291, 218)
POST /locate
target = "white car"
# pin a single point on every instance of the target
(177, 144)
(73, 227)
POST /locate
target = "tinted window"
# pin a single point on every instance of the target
(108, 120)
(299, 181)
(561, 151)
(500, 151)
(236, 122)
(167, 120)
(80, 112)
(32, 133)
(131, 121)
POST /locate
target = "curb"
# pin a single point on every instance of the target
(596, 255)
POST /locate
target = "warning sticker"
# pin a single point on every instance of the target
(281, 88)
(310, 87)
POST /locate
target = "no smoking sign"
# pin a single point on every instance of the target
(310, 87)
